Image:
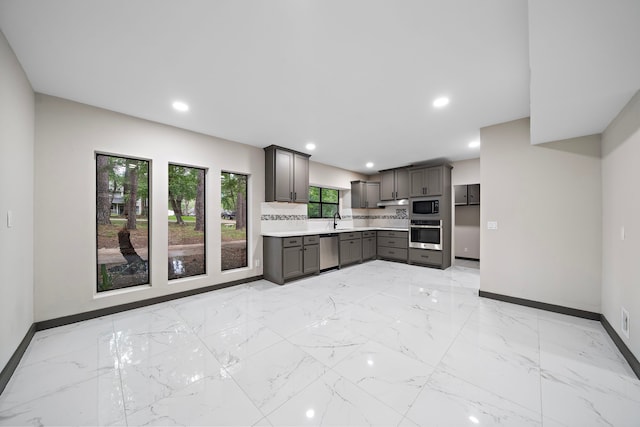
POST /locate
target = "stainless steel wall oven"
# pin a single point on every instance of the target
(425, 234)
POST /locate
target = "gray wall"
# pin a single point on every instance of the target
(547, 201)
(67, 136)
(621, 208)
(16, 188)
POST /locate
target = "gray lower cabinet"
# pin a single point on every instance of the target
(369, 245)
(311, 255)
(393, 245)
(288, 258)
(350, 248)
(424, 256)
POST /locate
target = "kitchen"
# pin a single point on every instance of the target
(420, 195)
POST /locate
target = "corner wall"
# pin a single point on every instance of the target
(67, 136)
(621, 209)
(16, 188)
(547, 201)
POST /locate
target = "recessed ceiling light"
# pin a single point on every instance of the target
(310, 146)
(474, 144)
(441, 102)
(180, 106)
(369, 165)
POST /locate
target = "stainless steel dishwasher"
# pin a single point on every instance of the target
(329, 255)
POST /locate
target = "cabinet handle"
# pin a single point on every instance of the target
(291, 195)
(295, 195)
(392, 252)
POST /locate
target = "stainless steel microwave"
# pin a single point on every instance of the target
(424, 207)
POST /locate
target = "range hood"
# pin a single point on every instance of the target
(399, 202)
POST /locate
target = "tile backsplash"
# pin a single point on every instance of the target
(276, 216)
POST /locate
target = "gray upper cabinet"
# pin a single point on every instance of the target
(426, 181)
(365, 194)
(394, 184)
(286, 175)
(467, 194)
(473, 192)
(460, 196)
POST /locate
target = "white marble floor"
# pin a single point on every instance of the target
(375, 344)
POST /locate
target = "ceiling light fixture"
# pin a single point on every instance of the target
(474, 144)
(441, 102)
(310, 146)
(180, 106)
(369, 165)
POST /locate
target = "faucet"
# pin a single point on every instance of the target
(335, 224)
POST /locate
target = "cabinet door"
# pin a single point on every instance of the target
(402, 184)
(387, 185)
(368, 248)
(433, 181)
(416, 183)
(356, 250)
(373, 194)
(311, 261)
(283, 176)
(474, 194)
(291, 262)
(300, 179)
(460, 194)
(357, 195)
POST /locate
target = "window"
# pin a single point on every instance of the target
(186, 216)
(233, 220)
(122, 222)
(323, 202)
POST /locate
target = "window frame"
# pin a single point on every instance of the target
(321, 202)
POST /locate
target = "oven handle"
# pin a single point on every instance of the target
(425, 226)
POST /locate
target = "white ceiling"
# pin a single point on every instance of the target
(357, 77)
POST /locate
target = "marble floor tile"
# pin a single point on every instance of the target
(448, 401)
(386, 374)
(502, 361)
(211, 401)
(577, 403)
(147, 381)
(334, 401)
(50, 375)
(238, 342)
(328, 341)
(276, 374)
(379, 343)
(96, 401)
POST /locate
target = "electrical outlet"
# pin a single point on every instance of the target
(492, 225)
(625, 322)
(622, 233)
(466, 249)
(257, 263)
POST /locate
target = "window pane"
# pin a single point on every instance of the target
(329, 210)
(122, 222)
(314, 194)
(233, 220)
(186, 222)
(329, 195)
(313, 210)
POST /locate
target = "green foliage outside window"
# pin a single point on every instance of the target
(323, 202)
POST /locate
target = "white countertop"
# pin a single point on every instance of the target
(329, 231)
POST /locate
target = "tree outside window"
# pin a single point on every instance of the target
(122, 222)
(233, 220)
(323, 202)
(186, 215)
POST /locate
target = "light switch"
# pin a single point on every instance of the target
(492, 225)
(622, 233)
(9, 219)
